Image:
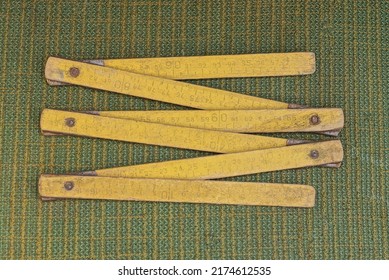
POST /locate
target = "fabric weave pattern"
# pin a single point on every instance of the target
(350, 39)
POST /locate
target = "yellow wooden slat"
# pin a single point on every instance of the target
(151, 87)
(196, 191)
(218, 66)
(215, 66)
(55, 121)
(235, 164)
(328, 120)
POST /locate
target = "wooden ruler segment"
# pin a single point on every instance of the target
(217, 66)
(196, 191)
(151, 87)
(81, 124)
(235, 164)
(328, 121)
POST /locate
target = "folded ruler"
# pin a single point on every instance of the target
(210, 167)
(54, 122)
(233, 164)
(327, 121)
(214, 129)
(215, 66)
(60, 70)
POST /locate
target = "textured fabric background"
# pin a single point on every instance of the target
(350, 39)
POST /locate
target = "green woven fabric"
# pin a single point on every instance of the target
(350, 39)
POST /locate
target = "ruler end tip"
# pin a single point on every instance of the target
(341, 117)
(311, 197)
(312, 64)
(42, 187)
(53, 74)
(42, 121)
(335, 148)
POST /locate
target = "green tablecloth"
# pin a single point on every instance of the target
(350, 39)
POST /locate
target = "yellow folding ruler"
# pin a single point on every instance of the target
(217, 129)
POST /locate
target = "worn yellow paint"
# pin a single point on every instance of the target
(283, 120)
(164, 190)
(234, 164)
(218, 66)
(152, 87)
(54, 121)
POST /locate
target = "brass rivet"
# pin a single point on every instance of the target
(74, 72)
(314, 154)
(70, 122)
(314, 119)
(68, 185)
